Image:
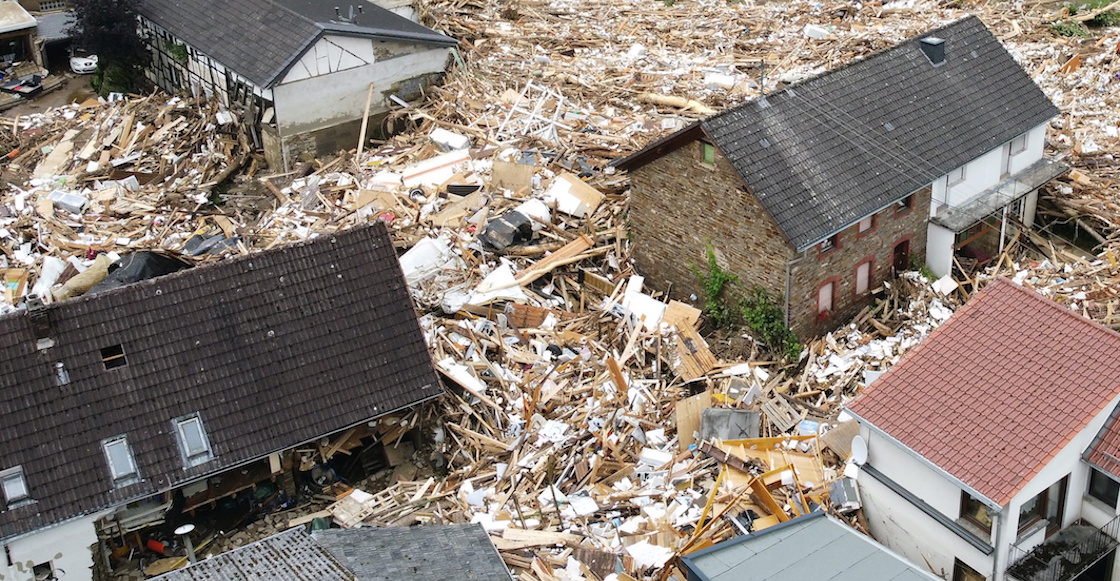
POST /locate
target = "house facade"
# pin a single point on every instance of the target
(134, 406)
(820, 191)
(991, 445)
(301, 72)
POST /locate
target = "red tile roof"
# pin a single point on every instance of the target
(996, 391)
(1105, 451)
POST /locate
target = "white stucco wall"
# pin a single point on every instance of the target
(308, 104)
(983, 172)
(67, 546)
(939, 249)
(903, 527)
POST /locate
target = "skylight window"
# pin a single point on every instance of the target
(14, 485)
(112, 357)
(193, 443)
(122, 466)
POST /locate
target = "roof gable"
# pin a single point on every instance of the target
(272, 350)
(1000, 388)
(261, 39)
(822, 154)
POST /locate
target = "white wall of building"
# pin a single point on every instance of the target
(983, 172)
(939, 249)
(66, 546)
(903, 527)
(308, 104)
(332, 54)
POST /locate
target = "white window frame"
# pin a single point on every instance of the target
(956, 176)
(121, 475)
(191, 457)
(14, 474)
(1019, 144)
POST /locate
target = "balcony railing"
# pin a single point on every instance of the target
(1065, 555)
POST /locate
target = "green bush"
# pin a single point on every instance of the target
(765, 318)
(1069, 28)
(715, 284)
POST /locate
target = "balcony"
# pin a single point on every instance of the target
(992, 200)
(1065, 555)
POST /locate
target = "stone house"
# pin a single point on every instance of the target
(127, 407)
(993, 447)
(300, 71)
(820, 191)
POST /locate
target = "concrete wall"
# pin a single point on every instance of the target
(813, 269)
(939, 249)
(679, 206)
(66, 547)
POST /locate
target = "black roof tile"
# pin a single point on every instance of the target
(256, 393)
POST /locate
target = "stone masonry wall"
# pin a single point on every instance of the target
(813, 270)
(679, 206)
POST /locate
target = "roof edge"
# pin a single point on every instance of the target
(667, 144)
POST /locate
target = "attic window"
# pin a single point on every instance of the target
(1019, 144)
(112, 357)
(975, 512)
(829, 244)
(193, 443)
(707, 154)
(122, 466)
(904, 205)
(15, 486)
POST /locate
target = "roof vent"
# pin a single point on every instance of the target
(934, 49)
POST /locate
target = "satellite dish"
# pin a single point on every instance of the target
(187, 528)
(859, 450)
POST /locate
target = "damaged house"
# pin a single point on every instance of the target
(993, 445)
(302, 71)
(820, 191)
(128, 407)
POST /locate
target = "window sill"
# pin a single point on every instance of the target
(975, 529)
(1032, 529)
(1109, 509)
(705, 166)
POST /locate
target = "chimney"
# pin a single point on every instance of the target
(934, 49)
(40, 319)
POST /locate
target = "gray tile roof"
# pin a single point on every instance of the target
(52, 26)
(288, 556)
(272, 349)
(815, 546)
(432, 553)
(823, 154)
(261, 39)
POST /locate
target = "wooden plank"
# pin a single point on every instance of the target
(687, 416)
(565, 255)
(302, 520)
(693, 357)
(680, 315)
(541, 538)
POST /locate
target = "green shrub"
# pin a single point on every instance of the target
(765, 318)
(715, 284)
(1069, 28)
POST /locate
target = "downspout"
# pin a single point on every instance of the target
(786, 290)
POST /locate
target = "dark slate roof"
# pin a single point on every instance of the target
(814, 546)
(261, 39)
(288, 556)
(822, 154)
(432, 553)
(272, 349)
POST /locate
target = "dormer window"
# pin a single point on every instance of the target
(904, 205)
(829, 244)
(707, 154)
(122, 466)
(15, 486)
(193, 443)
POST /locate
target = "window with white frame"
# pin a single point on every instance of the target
(15, 486)
(1019, 144)
(193, 443)
(122, 467)
(956, 176)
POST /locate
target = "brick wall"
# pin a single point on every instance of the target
(813, 270)
(678, 206)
